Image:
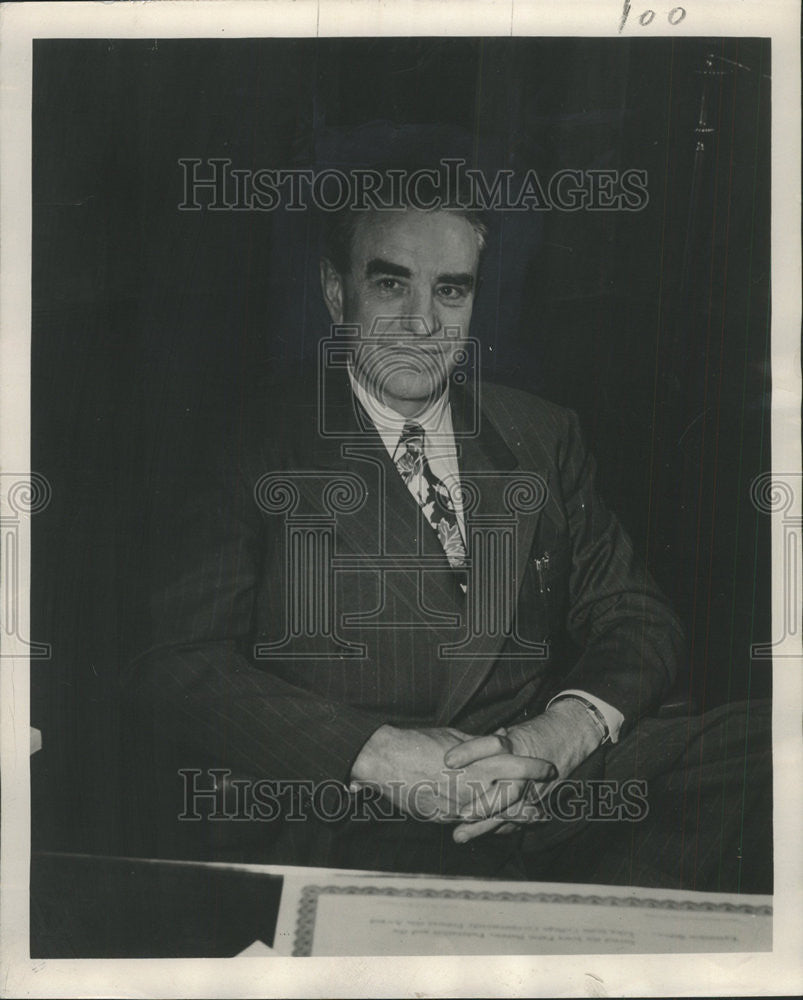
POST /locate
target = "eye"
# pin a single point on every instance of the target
(452, 293)
(388, 284)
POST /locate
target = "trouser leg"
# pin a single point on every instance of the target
(709, 819)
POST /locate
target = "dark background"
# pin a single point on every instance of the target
(148, 322)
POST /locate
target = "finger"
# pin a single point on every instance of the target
(505, 822)
(520, 813)
(504, 739)
(491, 798)
(478, 748)
(357, 786)
(537, 792)
(511, 767)
(495, 784)
(469, 831)
(523, 813)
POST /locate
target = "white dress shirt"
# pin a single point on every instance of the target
(439, 444)
(441, 453)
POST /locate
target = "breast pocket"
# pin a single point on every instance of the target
(544, 596)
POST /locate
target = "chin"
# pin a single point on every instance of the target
(407, 377)
(422, 394)
(414, 386)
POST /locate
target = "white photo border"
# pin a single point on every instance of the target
(778, 972)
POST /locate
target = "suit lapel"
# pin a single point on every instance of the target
(489, 473)
(389, 523)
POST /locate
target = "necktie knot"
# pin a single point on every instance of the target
(412, 436)
(410, 450)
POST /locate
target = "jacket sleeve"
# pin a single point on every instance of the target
(193, 685)
(630, 638)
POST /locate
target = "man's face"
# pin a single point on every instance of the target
(413, 276)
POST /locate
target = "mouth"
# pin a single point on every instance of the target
(420, 347)
(433, 351)
(410, 358)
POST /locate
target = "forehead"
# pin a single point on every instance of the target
(422, 241)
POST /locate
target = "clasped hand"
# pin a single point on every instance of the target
(485, 783)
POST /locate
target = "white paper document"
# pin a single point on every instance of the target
(376, 915)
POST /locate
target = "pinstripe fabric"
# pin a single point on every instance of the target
(709, 792)
(220, 587)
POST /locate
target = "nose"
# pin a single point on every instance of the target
(422, 317)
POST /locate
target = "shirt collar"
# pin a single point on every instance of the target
(436, 419)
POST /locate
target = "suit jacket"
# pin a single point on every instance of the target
(301, 601)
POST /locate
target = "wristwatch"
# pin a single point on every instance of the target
(597, 716)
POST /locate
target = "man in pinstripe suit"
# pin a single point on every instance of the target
(432, 678)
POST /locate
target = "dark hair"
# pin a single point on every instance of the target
(340, 226)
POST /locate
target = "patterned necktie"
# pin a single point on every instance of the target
(433, 494)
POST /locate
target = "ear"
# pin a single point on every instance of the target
(332, 288)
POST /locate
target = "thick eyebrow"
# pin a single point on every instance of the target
(465, 280)
(379, 266)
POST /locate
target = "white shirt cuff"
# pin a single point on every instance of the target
(612, 716)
